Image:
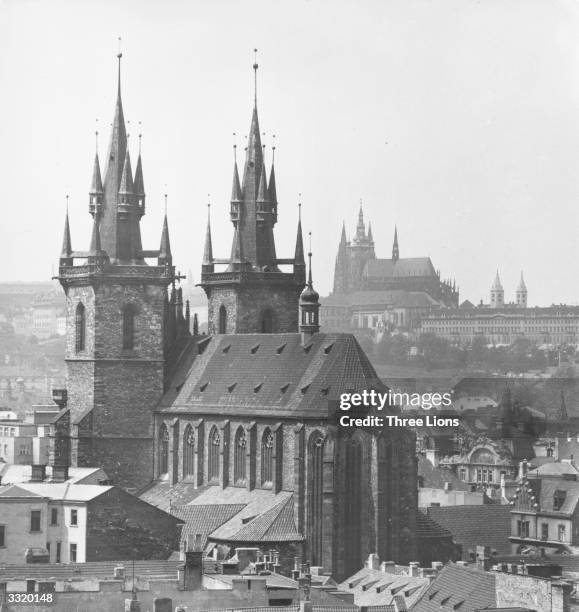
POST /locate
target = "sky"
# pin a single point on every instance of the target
(456, 120)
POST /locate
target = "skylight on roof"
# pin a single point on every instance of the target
(328, 348)
(308, 347)
(284, 388)
(254, 348)
(231, 387)
(226, 348)
(305, 388)
(257, 387)
(279, 349)
(203, 386)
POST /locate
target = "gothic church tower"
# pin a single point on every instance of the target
(250, 294)
(121, 325)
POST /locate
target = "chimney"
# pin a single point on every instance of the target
(523, 469)
(414, 569)
(38, 473)
(461, 564)
(59, 473)
(483, 558)
(193, 566)
(373, 561)
(388, 567)
(437, 565)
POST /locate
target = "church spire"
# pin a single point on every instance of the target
(370, 237)
(360, 228)
(309, 304)
(139, 183)
(299, 252)
(127, 186)
(96, 186)
(207, 264)
(165, 257)
(395, 249)
(66, 251)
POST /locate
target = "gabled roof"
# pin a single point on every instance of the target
(474, 588)
(268, 374)
(203, 520)
(372, 587)
(472, 526)
(12, 491)
(65, 490)
(436, 477)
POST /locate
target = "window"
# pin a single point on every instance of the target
(222, 320)
(163, 449)
(545, 531)
(267, 322)
(35, 520)
(74, 517)
(523, 529)
(188, 452)
(561, 533)
(214, 450)
(80, 327)
(128, 328)
(58, 547)
(2, 536)
(239, 456)
(73, 553)
(267, 457)
(559, 500)
(54, 516)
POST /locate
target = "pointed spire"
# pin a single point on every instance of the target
(126, 187)
(66, 251)
(139, 184)
(236, 195)
(395, 249)
(96, 187)
(497, 286)
(343, 239)
(95, 241)
(208, 252)
(237, 249)
(370, 237)
(165, 256)
(361, 228)
(299, 252)
(195, 325)
(262, 194)
(522, 286)
(272, 188)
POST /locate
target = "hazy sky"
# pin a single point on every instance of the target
(457, 120)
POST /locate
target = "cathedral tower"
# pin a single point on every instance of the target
(521, 293)
(497, 293)
(121, 324)
(250, 294)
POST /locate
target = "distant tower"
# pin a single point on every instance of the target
(395, 250)
(521, 295)
(120, 324)
(360, 251)
(497, 293)
(252, 295)
(309, 307)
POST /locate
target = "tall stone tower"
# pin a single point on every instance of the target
(121, 325)
(497, 293)
(521, 293)
(250, 294)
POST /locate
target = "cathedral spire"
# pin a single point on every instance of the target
(208, 252)
(360, 228)
(139, 184)
(96, 186)
(272, 188)
(66, 251)
(95, 251)
(299, 252)
(127, 186)
(165, 257)
(395, 249)
(370, 237)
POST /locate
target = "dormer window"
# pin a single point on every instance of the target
(559, 500)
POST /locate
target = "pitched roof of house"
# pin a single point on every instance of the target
(268, 374)
(437, 477)
(377, 588)
(472, 526)
(458, 588)
(203, 520)
(65, 490)
(11, 491)
(426, 527)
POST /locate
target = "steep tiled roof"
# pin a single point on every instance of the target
(203, 520)
(408, 266)
(458, 588)
(269, 374)
(472, 526)
(382, 299)
(275, 525)
(426, 527)
(377, 588)
(547, 489)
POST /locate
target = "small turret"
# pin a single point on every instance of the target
(126, 188)
(207, 264)
(165, 257)
(309, 307)
(139, 184)
(96, 192)
(299, 260)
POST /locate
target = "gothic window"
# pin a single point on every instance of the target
(128, 327)
(353, 506)
(213, 464)
(80, 327)
(314, 498)
(188, 452)
(239, 456)
(163, 449)
(267, 321)
(222, 320)
(267, 457)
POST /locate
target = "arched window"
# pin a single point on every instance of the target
(267, 322)
(80, 327)
(267, 457)
(213, 464)
(128, 327)
(188, 452)
(315, 499)
(353, 505)
(222, 320)
(239, 456)
(163, 449)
